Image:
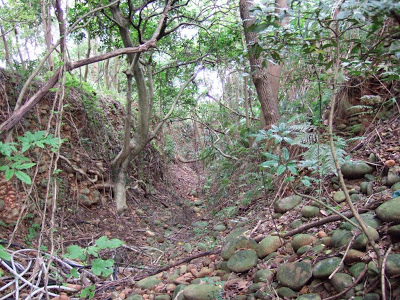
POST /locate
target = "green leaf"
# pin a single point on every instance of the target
(25, 166)
(269, 164)
(285, 154)
(4, 254)
(74, 273)
(93, 250)
(281, 169)
(271, 156)
(9, 174)
(25, 178)
(293, 169)
(102, 267)
(75, 252)
(104, 243)
(88, 292)
(306, 182)
(25, 147)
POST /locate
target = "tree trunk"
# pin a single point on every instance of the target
(266, 80)
(85, 75)
(21, 57)
(119, 186)
(115, 74)
(46, 21)
(7, 51)
(107, 74)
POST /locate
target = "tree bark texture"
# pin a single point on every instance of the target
(265, 79)
(7, 51)
(46, 21)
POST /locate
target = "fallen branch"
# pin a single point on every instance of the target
(325, 220)
(180, 262)
(383, 272)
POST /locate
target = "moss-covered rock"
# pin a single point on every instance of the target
(309, 297)
(268, 245)
(148, 282)
(309, 211)
(341, 281)
(393, 264)
(341, 237)
(242, 260)
(285, 204)
(389, 211)
(294, 275)
(301, 240)
(263, 275)
(356, 169)
(325, 267)
(201, 292)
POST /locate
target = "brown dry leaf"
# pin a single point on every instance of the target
(304, 290)
(323, 212)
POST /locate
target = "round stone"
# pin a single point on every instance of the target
(339, 196)
(325, 267)
(201, 292)
(389, 211)
(301, 240)
(393, 264)
(294, 275)
(219, 227)
(341, 281)
(268, 245)
(242, 261)
(285, 204)
(309, 211)
(341, 237)
(263, 275)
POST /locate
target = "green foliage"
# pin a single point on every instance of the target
(4, 254)
(15, 163)
(99, 266)
(33, 231)
(317, 156)
(169, 148)
(88, 292)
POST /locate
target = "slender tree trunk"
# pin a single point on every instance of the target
(266, 80)
(21, 57)
(46, 21)
(6, 50)
(107, 74)
(85, 75)
(61, 24)
(115, 74)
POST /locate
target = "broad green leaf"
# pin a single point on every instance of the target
(25, 166)
(293, 169)
(102, 267)
(9, 174)
(281, 169)
(104, 243)
(25, 178)
(271, 156)
(74, 273)
(285, 154)
(75, 252)
(93, 250)
(269, 164)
